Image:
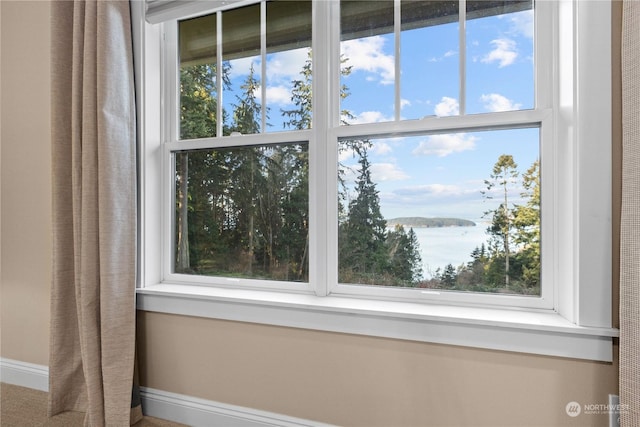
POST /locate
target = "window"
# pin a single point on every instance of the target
(420, 210)
(241, 195)
(483, 241)
(395, 159)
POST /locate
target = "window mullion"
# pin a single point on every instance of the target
(170, 130)
(219, 71)
(324, 111)
(462, 20)
(170, 95)
(397, 27)
(331, 36)
(263, 66)
(543, 45)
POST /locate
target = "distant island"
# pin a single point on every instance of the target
(421, 222)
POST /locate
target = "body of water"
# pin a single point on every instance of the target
(440, 246)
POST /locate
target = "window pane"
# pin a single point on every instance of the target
(242, 68)
(289, 76)
(444, 211)
(430, 71)
(500, 56)
(367, 53)
(198, 92)
(243, 212)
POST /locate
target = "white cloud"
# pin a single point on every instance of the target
(348, 154)
(405, 103)
(367, 55)
(286, 65)
(445, 144)
(278, 95)
(370, 117)
(495, 102)
(380, 171)
(282, 68)
(504, 52)
(522, 23)
(447, 54)
(432, 190)
(387, 172)
(381, 148)
(437, 199)
(447, 107)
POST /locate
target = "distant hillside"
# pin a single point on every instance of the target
(421, 222)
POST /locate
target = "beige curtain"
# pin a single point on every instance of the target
(92, 343)
(630, 221)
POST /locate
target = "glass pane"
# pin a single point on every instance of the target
(446, 211)
(241, 62)
(368, 67)
(289, 76)
(243, 212)
(500, 56)
(198, 92)
(430, 72)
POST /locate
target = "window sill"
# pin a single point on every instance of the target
(545, 333)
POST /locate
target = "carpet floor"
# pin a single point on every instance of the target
(26, 407)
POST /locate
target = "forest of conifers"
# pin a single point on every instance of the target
(244, 211)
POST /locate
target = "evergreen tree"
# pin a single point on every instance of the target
(197, 120)
(415, 259)
(448, 277)
(399, 251)
(295, 205)
(202, 199)
(247, 112)
(527, 226)
(301, 116)
(295, 208)
(301, 96)
(197, 101)
(246, 120)
(472, 275)
(362, 241)
(503, 176)
(345, 115)
(183, 262)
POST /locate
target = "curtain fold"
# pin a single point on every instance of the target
(630, 218)
(92, 339)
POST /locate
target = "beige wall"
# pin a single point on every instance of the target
(335, 378)
(26, 184)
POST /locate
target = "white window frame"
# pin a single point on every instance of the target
(173, 143)
(572, 319)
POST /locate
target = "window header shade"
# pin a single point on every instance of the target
(289, 22)
(165, 10)
(433, 14)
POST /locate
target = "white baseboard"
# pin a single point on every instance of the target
(24, 374)
(200, 412)
(179, 408)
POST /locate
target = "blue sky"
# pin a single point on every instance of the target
(443, 175)
(436, 175)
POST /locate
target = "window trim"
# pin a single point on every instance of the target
(580, 324)
(533, 332)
